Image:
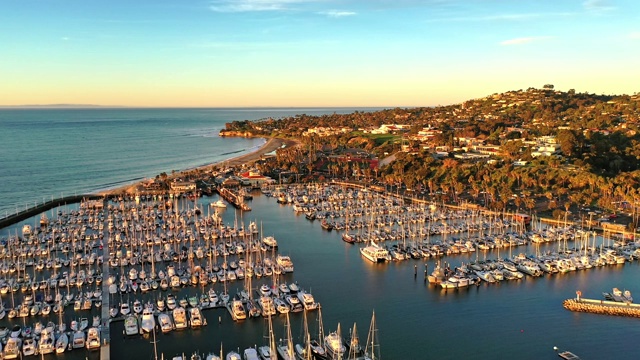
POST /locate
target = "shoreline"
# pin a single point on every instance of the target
(269, 146)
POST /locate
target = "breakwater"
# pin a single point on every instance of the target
(603, 307)
(45, 206)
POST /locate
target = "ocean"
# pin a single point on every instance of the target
(47, 153)
(513, 319)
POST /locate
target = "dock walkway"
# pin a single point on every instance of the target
(105, 332)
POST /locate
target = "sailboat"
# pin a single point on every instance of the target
(268, 352)
(285, 348)
(303, 351)
(372, 350)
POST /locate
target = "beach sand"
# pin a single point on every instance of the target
(271, 145)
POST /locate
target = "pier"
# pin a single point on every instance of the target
(234, 199)
(40, 208)
(603, 307)
(106, 304)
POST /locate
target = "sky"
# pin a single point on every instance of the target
(300, 53)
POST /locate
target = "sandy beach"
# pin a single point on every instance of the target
(271, 145)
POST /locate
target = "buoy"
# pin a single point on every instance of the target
(555, 348)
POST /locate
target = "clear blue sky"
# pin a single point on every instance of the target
(311, 52)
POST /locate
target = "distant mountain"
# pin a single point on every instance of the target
(57, 106)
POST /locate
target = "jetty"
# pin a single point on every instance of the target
(237, 200)
(603, 307)
(41, 208)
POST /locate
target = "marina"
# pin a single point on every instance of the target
(347, 285)
(126, 260)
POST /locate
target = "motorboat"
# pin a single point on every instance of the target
(180, 318)
(375, 253)
(237, 310)
(46, 345)
(78, 340)
(195, 317)
(165, 322)
(12, 348)
(131, 325)
(93, 338)
(334, 345)
(250, 354)
(219, 204)
(148, 322)
(29, 347)
(308, 301)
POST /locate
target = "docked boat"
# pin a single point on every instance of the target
(12, 349)
(195, 317)
(334, 345)
(29, 347)
(165, 322)
(307, 300)
(78, 340)
(250, 354)
(285, 263)
(180, 318)
(46, 345)
(375, 253)
(148, 321)
(93, 338)
(237, 310)
(131, 326)
(61, 343)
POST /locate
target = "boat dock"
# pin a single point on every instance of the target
(603, 307)
(234, 199)
(106, 304)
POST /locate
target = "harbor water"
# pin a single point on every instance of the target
(49, 152)
(415, 320)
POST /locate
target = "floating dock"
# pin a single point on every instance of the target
(603, 307)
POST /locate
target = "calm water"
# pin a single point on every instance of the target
(517, 319)
(47, 153)
(514, 319)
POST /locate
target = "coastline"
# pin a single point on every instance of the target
(269, 146)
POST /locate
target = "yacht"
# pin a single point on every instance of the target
(47, 342)
(268, 308)
(180, 318)
(93, 338)
(195, 317)
(308, 301)
(237, 310)
(29, 347)
(232, 355)
(131, 326)
(12, 348)
(165, 322)
(148, 322)
(334, 345)
(219, 204)
(375, 253)
(285, 262)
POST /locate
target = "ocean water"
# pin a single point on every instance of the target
(62, 151)
(47, 153)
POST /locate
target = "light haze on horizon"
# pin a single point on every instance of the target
(297, 53)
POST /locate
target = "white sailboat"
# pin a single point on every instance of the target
(372, 350)
(285, 348)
